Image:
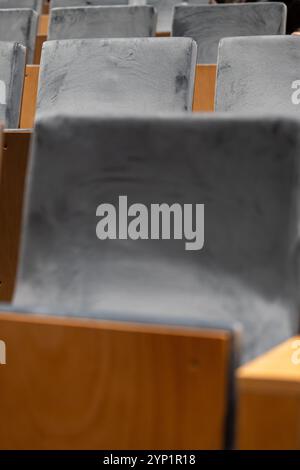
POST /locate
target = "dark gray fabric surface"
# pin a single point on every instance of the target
(207, 24)
(247, 272)
(102, 22)
(19, 25)
(12, 70)
(257, 73)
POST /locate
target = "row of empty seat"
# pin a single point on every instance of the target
(138, 21)
(202, 23)
(133, 342)
(206, 25)
(106, 75)
(92, 22)
(151, 74)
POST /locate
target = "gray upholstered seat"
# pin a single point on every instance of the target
(12, 69)
(246, 179)
(102, 22)
(36, 5)
(165, 11)
(258, 74)
(19, 25)
(117, 75)
(207, 24)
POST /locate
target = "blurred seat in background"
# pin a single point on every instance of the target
(102, 22)
(207, 24)
(165, 11)
(36, 5)
(19, 25)
(117, 75)
(81, 3)
(258, 74)
(293, 11)
(12, 70)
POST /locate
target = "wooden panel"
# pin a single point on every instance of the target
(42, 34)
(163, 34)
(87, 384)
(1, 149)
(40, 39)
(205, 82)
(12, 177)
(46, 7)
(29, 96)
(43, 25)
(269, 400)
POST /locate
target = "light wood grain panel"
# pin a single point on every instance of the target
(205, 82)
(79, 385)
(29, 96)
(43, 25)
(46, 7)
(269, 400)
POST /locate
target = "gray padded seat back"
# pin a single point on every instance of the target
(19, 25)
(12, 70)
(117, 75)
(165, 11)
(102, 22)
(82, 3)
(36, 5)
(247, 179)
(257, 74)
(207, 24)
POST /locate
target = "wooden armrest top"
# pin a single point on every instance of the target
(276, 369)
(98, 324)
(17, 131)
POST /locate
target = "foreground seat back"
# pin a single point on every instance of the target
(258, 74)
(36, 5)
(102, 22)
(207, 24)
(242, 169)
(121, 75)
(19, 25)
(12, 70)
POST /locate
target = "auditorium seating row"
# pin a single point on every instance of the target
(244, 76)
(257, 19)
(200, 22)
(137, 344)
